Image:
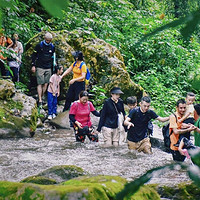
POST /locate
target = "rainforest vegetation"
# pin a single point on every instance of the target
(166, 65)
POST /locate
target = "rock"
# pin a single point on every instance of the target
(7, 89)
(61, 120)
(56, 174)
(18, 112)
(105, 62)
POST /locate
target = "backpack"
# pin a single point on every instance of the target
(42, 44)
(88, 74)
(166, 135)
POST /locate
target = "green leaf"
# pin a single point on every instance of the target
(54, 7)
(195, 156)
(194, 174)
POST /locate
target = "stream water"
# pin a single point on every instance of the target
(25, 157)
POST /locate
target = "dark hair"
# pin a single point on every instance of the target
(191, 94)
(78, 55)
(131, 100)
(84, 94)
(146, 99)
(57, 67)
(197, 108)
(180, 101)
(14, 42)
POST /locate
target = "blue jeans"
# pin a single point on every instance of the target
(52, 103)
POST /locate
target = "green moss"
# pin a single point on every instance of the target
(145, 192)
(33, 121)
(184, 191)
(39, 180)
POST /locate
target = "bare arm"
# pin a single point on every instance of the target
(77, 79)
(162, 119)
(184, 117)
(182, 131)
(128, 123)
(66, 72)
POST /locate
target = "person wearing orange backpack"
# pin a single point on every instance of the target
(7, 43)
(77, 83)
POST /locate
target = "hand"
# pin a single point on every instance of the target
(78, 124)
(179, 120)
(33, 69)
(192, 128)
(71, 81)
(54, 94)
(129, 125)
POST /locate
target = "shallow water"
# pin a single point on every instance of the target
(25, 157)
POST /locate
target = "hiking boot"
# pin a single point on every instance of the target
(50, 117)
(53, 116)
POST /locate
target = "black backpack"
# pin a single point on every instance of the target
(166, 135)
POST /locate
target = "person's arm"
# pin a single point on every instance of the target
(34, 57)
(182, 131)
(66, 72)
(96, 113)
(52, 88)
(58, 93)
(162, 119)
(184, 117)
(72, 118)
(128, 122)
(102, 117)
(77, 79)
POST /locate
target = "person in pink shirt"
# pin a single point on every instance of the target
(79, 115)
(54, 91)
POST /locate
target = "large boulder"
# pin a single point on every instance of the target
(18, 112)
(104, 60)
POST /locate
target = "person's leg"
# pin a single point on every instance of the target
(92, 136)
(133, 145)
(115, 137)
(15, 72)
(177, 156)
(40, 82)
(44, 88)
(107, 136)
(47, 75)
(145, 146)
(39, 90)
(50, 103)
(78, 87)
(55, 105)
(70, 97)
(2, 66)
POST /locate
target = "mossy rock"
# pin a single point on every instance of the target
(39, 180)
(62, 173)
(7, 89)
(183, 191)
(105, 61)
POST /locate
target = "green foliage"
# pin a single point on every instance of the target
(21, 86)
(98, 96)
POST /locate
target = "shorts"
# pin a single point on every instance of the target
(143, 145)
(43, 75)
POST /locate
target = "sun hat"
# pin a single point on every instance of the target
(116, 90)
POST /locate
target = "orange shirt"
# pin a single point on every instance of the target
(3, 42)
(173, 123)
(77, 72)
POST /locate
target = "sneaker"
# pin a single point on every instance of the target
(53, 116)
(50, 117)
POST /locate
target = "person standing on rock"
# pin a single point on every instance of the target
(111, 113)
(54, 92)
(137, 124)
(42, 64)
(79, 115)
(77, 83)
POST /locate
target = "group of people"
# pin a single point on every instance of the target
(10, 56)
(114, 124)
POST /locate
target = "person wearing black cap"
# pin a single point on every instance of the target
(137, 124)
(77, 83)
(108, 123)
